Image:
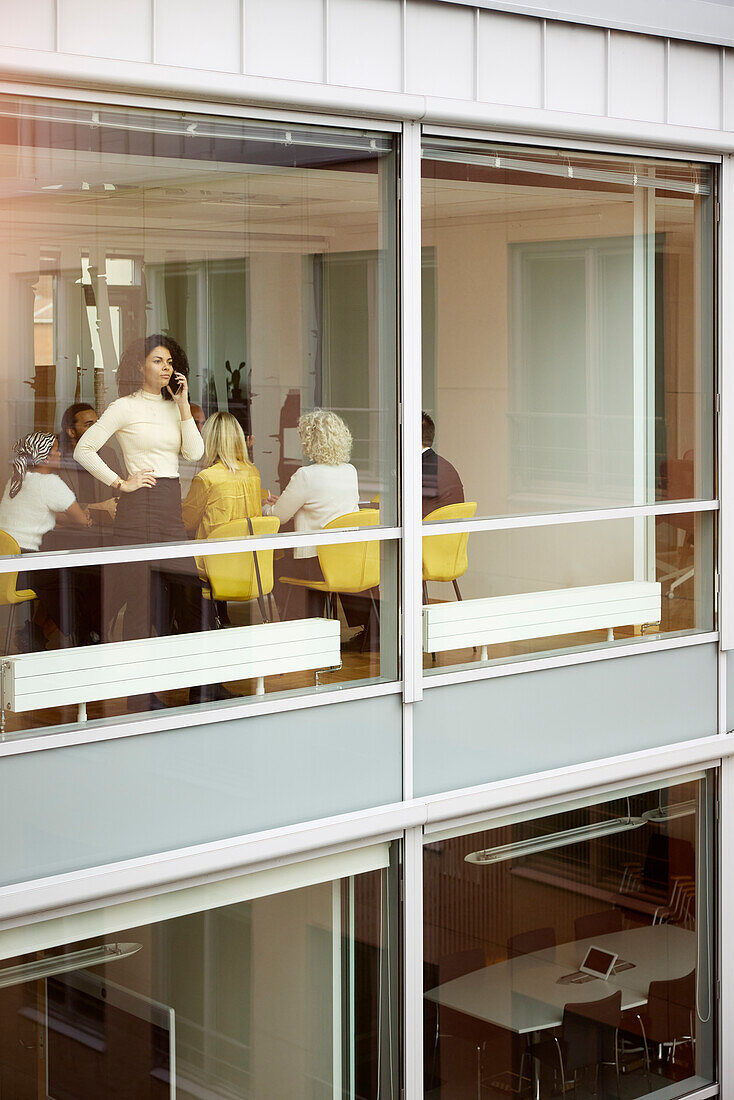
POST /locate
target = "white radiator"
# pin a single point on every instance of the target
(481, 623)
(60, 677)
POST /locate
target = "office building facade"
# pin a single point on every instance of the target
(446, 814)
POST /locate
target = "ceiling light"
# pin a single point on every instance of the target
(554, 840)
(62, 964)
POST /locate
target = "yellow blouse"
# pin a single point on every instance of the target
(217, 496)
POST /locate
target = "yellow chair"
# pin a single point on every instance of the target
(9, 594)
(349, 567)
(233, 577)
(445, 556)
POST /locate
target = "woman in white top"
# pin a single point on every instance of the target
(152, 424)
(34, 500)
(315, 495)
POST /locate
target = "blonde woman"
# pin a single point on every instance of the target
(229, 486)
(316, 494)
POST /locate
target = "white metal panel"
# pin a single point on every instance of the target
(30, 24)
(694, 20)
(366, 43)
(285, 38)
(694, 85)
(727, 84)
(199, 36)
(636, 77)
(509, 59)
(439, 50)
(576, 73)
(107, 30)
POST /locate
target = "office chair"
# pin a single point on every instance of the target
(667, 1019)
(678, 484)
(445, 556)
(348, 567)
(598, 924)
(588, 1038)
(233, 578)
(10, 595)
(527, 943)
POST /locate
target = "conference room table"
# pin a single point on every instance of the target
(525, 995)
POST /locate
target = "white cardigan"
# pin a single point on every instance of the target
(314, 496)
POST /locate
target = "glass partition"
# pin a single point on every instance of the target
(160, 268)
(567, 329)
(221, 627)
(529, 591)
(281, 983)
(573, 947)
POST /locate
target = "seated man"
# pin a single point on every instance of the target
(88, 490)
(441, 482)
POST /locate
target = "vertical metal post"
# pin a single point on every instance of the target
(726, 398)
(725, 939)
(410, 401)
(413, 958)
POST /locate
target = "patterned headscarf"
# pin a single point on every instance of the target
(28, 452)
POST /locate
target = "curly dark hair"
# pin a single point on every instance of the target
(129, 372)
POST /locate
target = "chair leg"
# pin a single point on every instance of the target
(271, 606)
(284, 614)
(457, 590)
(9, 632)
(263, 609)
(425, 593)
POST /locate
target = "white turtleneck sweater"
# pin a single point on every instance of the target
(151, 435)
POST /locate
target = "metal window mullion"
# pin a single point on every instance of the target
(726, 415)
(413, 962)
(197, 547)
(410, 399)
(560, 519)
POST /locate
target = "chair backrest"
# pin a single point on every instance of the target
(525, 943)
(445, 556)
(669, 1009)
(8, 581)
(352, 566)
(460, 963)
(598, 924)
(588, 1030)
(233, 576)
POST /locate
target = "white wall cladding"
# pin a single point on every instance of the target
(427, 47)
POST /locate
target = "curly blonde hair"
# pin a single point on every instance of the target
(325, 438)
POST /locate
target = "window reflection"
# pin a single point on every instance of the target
(536, 590)
(278, 992)
(184, 292)
(567, 325)
(572, 947)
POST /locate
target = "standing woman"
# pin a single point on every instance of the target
(152, 424)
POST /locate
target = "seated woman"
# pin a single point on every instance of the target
(34, 499)
(315, 495)
(229, 486)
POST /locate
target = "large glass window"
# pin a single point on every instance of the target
(543, 589)
(199, 342)
(280, 984)
(573, 947)
(568, 366)
(568, 305)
